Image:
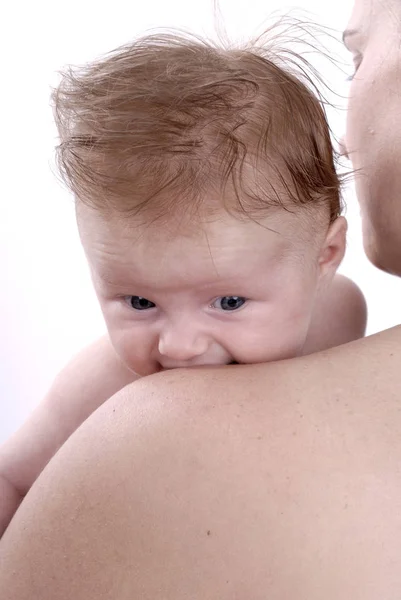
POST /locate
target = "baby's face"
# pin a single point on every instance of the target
(227, 291)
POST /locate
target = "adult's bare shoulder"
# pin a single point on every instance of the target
(279, 480)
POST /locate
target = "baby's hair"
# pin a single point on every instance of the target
(171, 123)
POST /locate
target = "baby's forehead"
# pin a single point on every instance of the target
(280, 228)
(222, 249)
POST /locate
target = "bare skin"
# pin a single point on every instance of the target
(173, 491)
(97, 373)
(373, 137)
(276, 481)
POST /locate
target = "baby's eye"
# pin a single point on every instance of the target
(229, 302)
(140, 303)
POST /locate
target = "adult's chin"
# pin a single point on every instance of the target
(383, 250)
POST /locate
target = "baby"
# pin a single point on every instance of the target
(208, 206)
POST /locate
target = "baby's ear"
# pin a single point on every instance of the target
(333, 248)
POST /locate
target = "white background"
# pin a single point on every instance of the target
(47, 308)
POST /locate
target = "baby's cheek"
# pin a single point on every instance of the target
(279, 337)
(135, 350)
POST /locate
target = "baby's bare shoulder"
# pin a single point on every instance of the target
(339, 316)
(96, 369)
(90, 378)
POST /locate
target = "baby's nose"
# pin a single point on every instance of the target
(182, 343)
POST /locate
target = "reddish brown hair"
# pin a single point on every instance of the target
(166, 120)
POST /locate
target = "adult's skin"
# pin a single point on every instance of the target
(279, 481)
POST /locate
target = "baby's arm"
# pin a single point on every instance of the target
(340, 316)
(92, 377)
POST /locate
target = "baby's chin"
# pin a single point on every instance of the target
(231, 362)
(159, 368)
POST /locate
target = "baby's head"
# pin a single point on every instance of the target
(207, 200)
